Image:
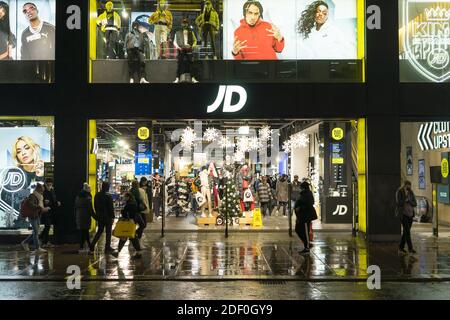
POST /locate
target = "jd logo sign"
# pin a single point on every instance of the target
(341, 210)
(225, 96)
(12, 179)
(427, 37)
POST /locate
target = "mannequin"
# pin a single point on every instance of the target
(213, 183)
(110, 23)
(206, 191)
(245, 183)
(185, 41)
(208, 24)
(163, 20)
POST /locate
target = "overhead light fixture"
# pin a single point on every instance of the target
(124, 14)
(244, 130)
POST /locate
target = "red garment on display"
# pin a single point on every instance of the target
(260, 45)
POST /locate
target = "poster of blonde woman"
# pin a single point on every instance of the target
(23, 152)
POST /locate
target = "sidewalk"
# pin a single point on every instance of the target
(252, 256)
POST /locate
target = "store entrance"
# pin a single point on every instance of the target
(229, 175)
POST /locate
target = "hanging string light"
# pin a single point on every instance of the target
(211, 134)
(243, 144)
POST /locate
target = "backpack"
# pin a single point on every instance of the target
(25, 210)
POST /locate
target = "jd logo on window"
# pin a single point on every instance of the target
(225, 96)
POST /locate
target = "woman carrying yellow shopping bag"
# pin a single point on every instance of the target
(126, 228)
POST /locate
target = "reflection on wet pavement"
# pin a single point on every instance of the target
(333, 256)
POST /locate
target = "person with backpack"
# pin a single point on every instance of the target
(405, 204)
(83, 214)
(306, 213)
(130, 211)
(104, 210)
(32, 208)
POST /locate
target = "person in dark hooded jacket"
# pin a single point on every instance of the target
(306, 213)
(83, 214)
(130, 211)
(104, 209)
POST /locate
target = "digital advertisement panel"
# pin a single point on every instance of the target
(27, 30)
(290, 29)
(23, 154)
(424, 37)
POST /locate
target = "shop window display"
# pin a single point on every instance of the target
(27, 34)
(201, 37)
(230, 171)
(26, 158)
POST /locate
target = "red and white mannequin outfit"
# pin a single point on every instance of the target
(244, 183)
(213, 179)
(206, 192)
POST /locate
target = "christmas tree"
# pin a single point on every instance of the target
(230, 205)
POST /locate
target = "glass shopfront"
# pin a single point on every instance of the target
(226, 40)
(211, 170)
(26, 158)
(27, 41)
(424, 162)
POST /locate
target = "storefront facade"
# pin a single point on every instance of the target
(379, 105)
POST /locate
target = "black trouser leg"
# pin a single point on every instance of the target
(83, 238)
(121, 244)
(302, 230)
(135, 243)
(44, 234)
(108, 237)
(141, 65)
(264, 208)
(101, 227)
(406, 235)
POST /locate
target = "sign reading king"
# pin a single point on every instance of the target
(427, 37)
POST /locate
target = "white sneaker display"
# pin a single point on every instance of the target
(194, 80)
(144, 81)
(131, 80)
(176, 80)
(40, 250)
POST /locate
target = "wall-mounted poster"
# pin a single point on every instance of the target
(424, 37)
(409, 161)
(23, 154)
(422, 174)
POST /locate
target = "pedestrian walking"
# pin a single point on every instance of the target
(265, 196)
(157, 190)
(130, 211)
(34, 205)
(49, 218)
(104, 211)
(306, 213)
(282, 193)
(295, 191)
(140, 217)
(405, 204)
(83, 214)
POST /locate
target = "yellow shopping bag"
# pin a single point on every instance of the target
(125, 229)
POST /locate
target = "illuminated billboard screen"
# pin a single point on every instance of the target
(24, 151)
(424, 37)
(161, 41)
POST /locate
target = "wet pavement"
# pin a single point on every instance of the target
(219, 290)
(243, 256)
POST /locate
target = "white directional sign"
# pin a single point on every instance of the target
(434, 135)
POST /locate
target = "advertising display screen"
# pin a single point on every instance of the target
(290, 29)
(24, 151)
(27, 30)
(424, 37)
(162, 41)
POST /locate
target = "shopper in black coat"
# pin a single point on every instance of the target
(104, 209)
(83, 214)
(130, 211)
(306, 213)
(49, 218)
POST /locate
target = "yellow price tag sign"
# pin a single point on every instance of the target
(257, 218)
(337, 134)
(143, 133)
(444, 168)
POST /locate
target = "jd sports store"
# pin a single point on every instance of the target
(213, 169)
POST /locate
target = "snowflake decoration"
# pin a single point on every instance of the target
(187, 138)
(287, 146)
(225, 142)
(254, 143)
(300, 140)
(239, 156)
(265, 134)
(211, 134)
(243, 144)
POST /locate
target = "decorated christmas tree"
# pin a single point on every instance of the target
(230, 205)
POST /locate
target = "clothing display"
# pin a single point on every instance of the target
(163, 20)
(178, 196)
(208, 24)
(206, 192)
(110, 23)
(39, 43)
